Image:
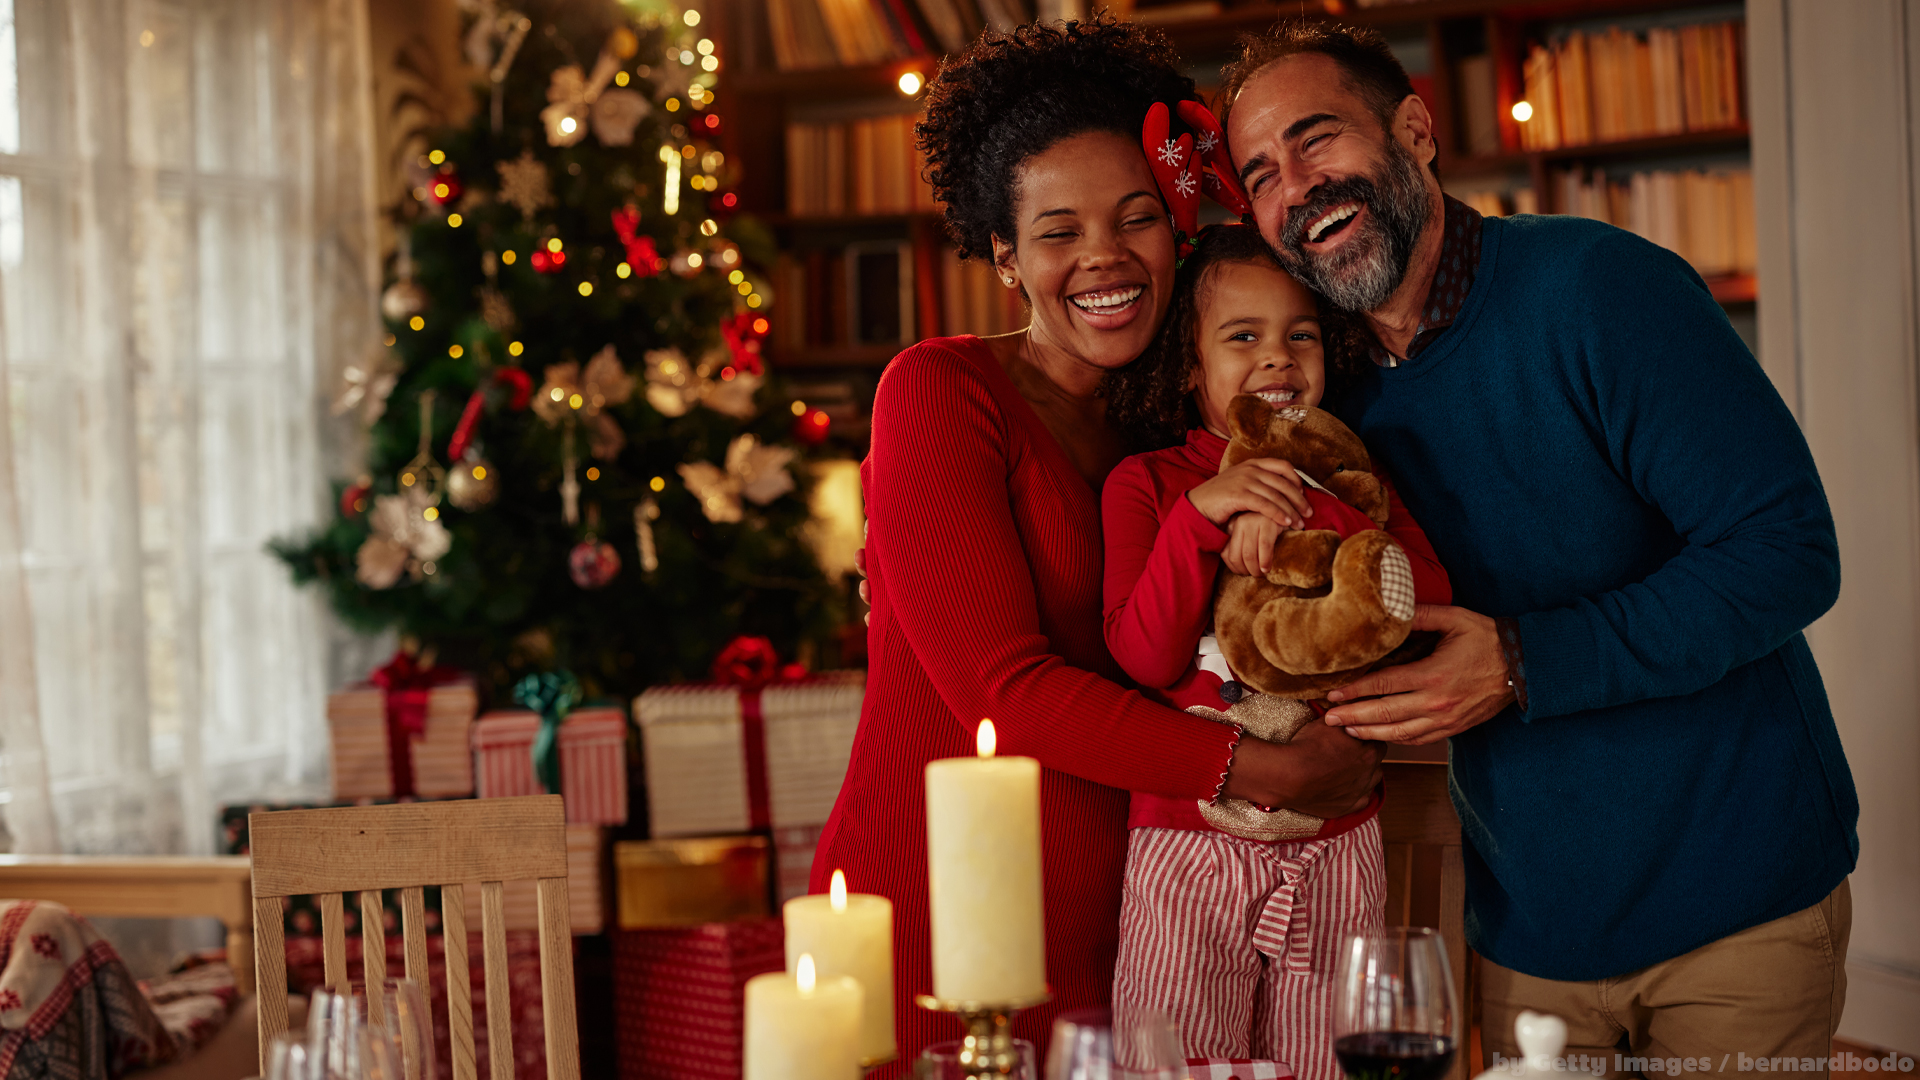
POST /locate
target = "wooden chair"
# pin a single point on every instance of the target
(329, 852)
(1426, 878)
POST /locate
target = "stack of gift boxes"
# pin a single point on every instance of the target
(739, 781)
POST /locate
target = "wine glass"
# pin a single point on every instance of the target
(287, 1058)
(941, 1061)
(390, 1037)
(1094, 1044)
(1396, 1016)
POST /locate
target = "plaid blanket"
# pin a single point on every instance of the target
(70, 1010)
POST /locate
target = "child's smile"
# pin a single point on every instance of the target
(1258, 332)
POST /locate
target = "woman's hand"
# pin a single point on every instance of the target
(1323, 771)
(1261, 486)
(1250, 540)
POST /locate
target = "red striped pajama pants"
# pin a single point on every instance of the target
(1238, 940)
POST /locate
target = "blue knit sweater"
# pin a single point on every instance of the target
(1594, 451)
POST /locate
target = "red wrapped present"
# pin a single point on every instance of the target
(731, 758)
(593, 760)
(404, 732)
(503, 752)
(593, 766)
(679, 996)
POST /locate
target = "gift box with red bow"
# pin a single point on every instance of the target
(759, 748)
(679, 996)
(593, 760)
(403, 732)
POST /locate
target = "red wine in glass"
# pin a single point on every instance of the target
(1396, 1014)
(1394, 1055)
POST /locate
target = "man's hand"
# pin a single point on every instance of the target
(1250, 540)
(1462, 684)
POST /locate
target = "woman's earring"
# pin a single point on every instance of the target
(1007, 280)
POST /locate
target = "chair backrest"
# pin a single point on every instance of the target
(1426, 878)
(363, 849)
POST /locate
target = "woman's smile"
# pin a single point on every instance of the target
(1109, 308)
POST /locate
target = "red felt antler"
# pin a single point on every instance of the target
(1218, 179)
(1175, 168)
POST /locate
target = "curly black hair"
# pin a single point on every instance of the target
(1012, 95)
(1150, 401)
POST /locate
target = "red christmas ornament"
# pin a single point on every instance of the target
(742, 334)
(811, 426)
(542, 262)
(593, 564)
(519, 385)
(353, 500)
(444, 187)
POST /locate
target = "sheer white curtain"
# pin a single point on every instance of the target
(186, 259)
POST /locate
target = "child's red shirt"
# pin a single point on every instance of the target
(1162, 558)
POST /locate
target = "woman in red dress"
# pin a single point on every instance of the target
(984, 549)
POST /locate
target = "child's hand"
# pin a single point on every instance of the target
(1260, 486)
(1250, 540)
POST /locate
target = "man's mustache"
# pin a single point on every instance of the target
(1333, 193)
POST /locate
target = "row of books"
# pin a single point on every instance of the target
(1604, 87)
(811, 34)
(1522, 200)
(1705, 217)
(867, 166)
(862, 294)
(974, 300)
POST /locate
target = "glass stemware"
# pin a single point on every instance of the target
(941, 1061)
(1094, 1044)
(1396, 1016)
(351, 1038)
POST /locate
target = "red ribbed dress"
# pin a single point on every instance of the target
(984, 555)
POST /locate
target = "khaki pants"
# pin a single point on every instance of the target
(1770, 991)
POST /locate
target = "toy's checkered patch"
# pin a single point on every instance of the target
(1396, 584)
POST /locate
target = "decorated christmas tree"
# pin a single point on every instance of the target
(576, 459)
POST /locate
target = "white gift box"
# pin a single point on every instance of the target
(700, 764)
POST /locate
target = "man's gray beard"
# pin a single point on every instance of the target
(1368, 267)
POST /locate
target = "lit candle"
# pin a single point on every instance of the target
(983, 868)
(802, 1029)
(852, 936)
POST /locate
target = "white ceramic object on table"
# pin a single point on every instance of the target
(1543, 1043)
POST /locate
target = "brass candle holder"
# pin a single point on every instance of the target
(987, 1050)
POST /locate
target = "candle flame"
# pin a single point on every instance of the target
(838, 892)
(984, 742)
(803, 973)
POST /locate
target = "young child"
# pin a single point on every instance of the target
(1234, 938)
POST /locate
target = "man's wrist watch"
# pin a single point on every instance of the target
(1508, 630)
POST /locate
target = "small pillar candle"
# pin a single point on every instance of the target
(852, 935)
(983, 863)
(802, 1028)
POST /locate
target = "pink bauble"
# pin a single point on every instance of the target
(593, 564)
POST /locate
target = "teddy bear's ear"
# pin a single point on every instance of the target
(1247, 418)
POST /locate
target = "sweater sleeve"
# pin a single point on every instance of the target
(946, 555)
(1430, 582)
(1691, 422)
(1159, 576)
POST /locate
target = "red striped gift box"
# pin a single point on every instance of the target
(593, 766)
(679, 996)
(503, 746)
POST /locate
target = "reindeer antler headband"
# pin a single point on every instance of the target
(1187, 167)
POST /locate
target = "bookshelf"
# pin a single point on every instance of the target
(1468, 58)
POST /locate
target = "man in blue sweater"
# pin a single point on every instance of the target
(1658, 817)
